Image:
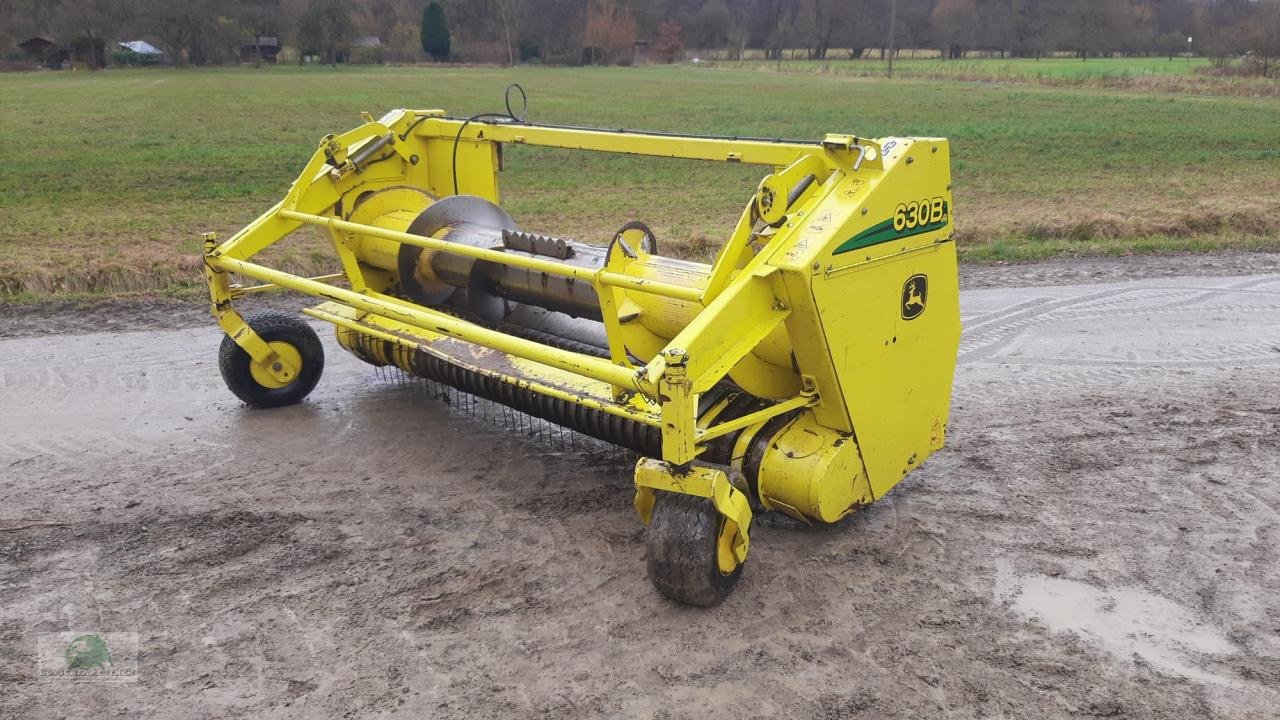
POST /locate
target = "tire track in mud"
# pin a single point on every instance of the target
(1151, 309)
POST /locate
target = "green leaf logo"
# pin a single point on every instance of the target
(87, 652)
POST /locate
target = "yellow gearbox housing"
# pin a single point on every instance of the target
(806, 370)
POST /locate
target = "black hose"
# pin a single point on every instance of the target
(510, 117)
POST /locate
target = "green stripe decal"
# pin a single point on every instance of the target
(883, 233)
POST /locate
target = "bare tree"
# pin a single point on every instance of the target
(258, 19)
(956, 26)
(1264, 37)
(508, 14)
(610, 31)
(507, 31)
(182, 27)
(826, 17)
(93, 21)
(324, 28)
(711, 26)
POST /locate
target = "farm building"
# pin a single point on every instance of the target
(141, 52)
(44, 50)
(263, 48)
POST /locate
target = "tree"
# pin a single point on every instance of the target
(435, 32)
(1264, 37)
(552, 30)
(324, 27)
(1095, 27)
(669, 44)
(508, 15)
(865, 25)
(956, 26)
(772, 26)
(710, 26)
(183, 28)
(610, 31)
(90, 23)
(258, 19)
(1028, 28)
(826, 20)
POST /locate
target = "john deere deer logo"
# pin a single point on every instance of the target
(915, 293)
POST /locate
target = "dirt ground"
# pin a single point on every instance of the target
(1101, 537)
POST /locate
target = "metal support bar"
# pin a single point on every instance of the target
(690, 147)
(427, 319)
(654, 287)
(750, 419)
(239, 291)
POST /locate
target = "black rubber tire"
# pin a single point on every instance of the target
(273, 326)
(681, 545)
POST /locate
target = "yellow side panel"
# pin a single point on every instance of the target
(477, 167)
(895, 373)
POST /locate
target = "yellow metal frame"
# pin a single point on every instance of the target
(322, 182)
(707, 482)
(840, 211)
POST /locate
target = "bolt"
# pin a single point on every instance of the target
(864, 211)
(277, 366)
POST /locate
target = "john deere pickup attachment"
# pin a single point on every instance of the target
(806, 370)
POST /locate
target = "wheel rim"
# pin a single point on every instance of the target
(726, 561)
(288, 354)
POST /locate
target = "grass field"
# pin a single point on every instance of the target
(1181, 75)
(1058, 67)
(110, 177)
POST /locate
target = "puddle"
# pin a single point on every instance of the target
(1124, 621)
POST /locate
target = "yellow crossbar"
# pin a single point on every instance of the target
(443, 323)
(655, 287)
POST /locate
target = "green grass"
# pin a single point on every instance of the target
(110, 177)
(1180, 75)
(1013, 68)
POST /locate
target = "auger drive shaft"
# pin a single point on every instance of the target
(806, 370)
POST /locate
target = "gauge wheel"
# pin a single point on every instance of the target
(294, 341)
(690, 559)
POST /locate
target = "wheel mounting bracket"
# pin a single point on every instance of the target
(701, 481)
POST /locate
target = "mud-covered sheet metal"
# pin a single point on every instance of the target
(530, 376)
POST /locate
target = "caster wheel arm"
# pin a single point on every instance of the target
(697, 536)
(259, 382)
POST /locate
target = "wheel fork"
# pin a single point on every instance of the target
(701, 481)
(233, 324)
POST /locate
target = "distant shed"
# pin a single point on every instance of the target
(142, 47)
(266, 48)
(144, 52)
(44, 50)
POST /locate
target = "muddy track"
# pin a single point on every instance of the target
(147, 313)
(1100, 539)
